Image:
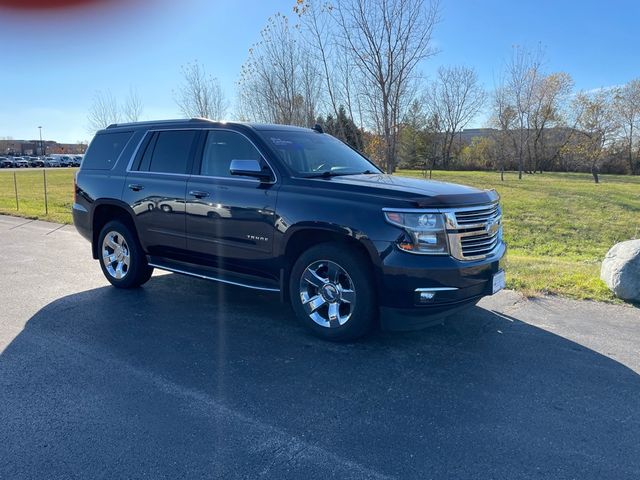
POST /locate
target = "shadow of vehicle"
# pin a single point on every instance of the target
(183, 379)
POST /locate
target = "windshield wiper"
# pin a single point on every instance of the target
(326, 174)
(329, 174)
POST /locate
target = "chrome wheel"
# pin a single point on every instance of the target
(327, 293)
(115, 255)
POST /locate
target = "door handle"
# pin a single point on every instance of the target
(198, 194)
(136, 187)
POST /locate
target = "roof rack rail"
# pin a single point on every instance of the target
(162, 122)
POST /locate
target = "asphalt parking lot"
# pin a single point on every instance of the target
(184, 378)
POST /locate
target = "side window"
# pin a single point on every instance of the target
(145, 160)
(169, 152)
(223, 146)
(105, 150)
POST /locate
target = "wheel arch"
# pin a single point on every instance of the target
(300, 238)
(103, 212)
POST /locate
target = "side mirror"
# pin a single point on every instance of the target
(251, 168)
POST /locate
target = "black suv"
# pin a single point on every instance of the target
(288, 210)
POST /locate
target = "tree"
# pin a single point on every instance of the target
(413, 138)
(455, 98)
(200, 94)
(527, 104)
(279, 83)
(627, 110)
(104, 110)
(342, 127)
(386, 40)
(504, 117)
(517, 95)
(596, 124)
(479, 154)
(132, 107)
(549, 101)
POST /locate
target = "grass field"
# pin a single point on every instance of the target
(30, 185)
(558, 226)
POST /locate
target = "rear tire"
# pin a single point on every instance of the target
(332, 292)
(121, 257)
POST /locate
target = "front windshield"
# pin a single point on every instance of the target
(311, 154)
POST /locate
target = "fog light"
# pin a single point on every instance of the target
(426, 296)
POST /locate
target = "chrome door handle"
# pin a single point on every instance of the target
(136, 187)
(198, 194)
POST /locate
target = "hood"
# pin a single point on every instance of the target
(419, 193)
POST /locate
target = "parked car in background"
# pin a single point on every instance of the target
(51, 162)
(21, 162)
(36, 162)
(66, 161)
(77, 160)
(6, 162)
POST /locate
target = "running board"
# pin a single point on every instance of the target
(216, 275)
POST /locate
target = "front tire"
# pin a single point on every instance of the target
(332, 292)
(121, 257)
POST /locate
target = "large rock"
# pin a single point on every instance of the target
(621, 270)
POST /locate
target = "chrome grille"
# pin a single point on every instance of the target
(474, 233)
(477, 216)
(479, 245)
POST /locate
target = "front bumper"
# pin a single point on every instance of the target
(455, 285)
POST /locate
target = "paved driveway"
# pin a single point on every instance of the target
(184, 378)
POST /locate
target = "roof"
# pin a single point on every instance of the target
(204, 122)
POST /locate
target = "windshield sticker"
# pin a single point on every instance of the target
(280, 142)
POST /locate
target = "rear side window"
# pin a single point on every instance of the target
(105, 150)
(169, 152)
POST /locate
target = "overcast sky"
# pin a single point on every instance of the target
(53, 62)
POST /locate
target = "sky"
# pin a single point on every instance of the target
(54, 60)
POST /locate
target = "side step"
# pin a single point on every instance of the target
(217, 275)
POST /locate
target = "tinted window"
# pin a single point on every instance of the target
(220, 148)
(309, 153)
(146, 158)
(105, 150)
(172, 151)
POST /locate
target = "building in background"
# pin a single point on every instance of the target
(33, 148)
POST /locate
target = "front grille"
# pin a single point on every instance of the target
(475, 232)
(479, 245)
(477, 216)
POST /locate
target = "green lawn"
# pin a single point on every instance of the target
(30, 185)
(558, 226)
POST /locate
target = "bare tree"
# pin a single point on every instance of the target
(132, 106)
(596, 124)
(104, 111)
(548, 109)
(200, 94)
(627, 109)
(520, 80)
(279, 82)
(455, 97)
(319, 44)
(504, 117)
(386, 40)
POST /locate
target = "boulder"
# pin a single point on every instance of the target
(621, 270)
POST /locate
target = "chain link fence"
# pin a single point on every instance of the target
(44, 193)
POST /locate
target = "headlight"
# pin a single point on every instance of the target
(425, 232)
